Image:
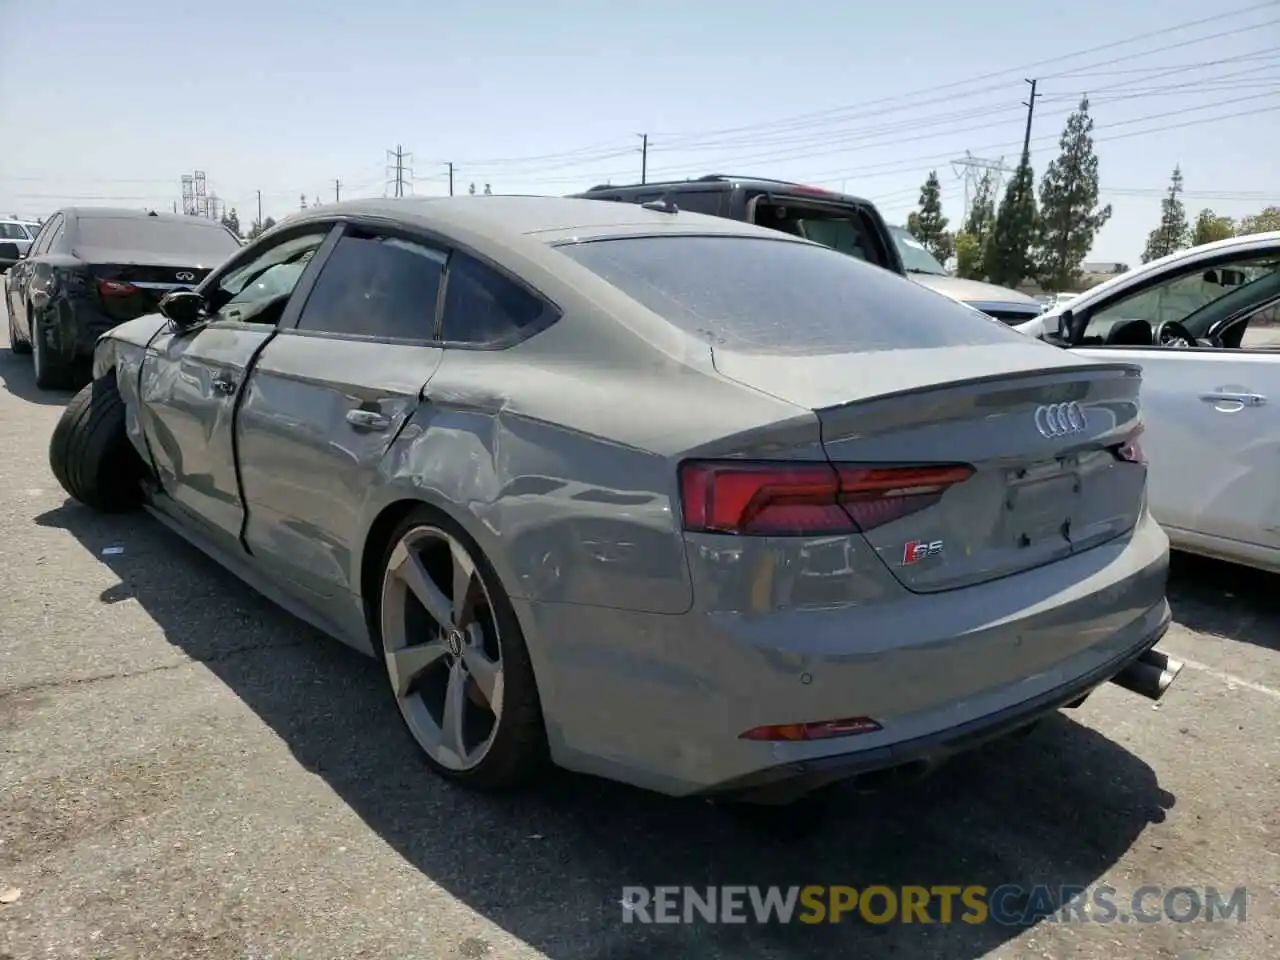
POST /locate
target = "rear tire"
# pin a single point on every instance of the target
(90, 452)
(16, 344)
(50, 374)
(473, 646)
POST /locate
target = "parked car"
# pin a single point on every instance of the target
(1204, 324)
(663, 497)
(1002, 303)
(845, 223)
(18, 233)
(91, 268)
(1055, 300)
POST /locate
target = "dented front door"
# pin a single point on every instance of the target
(189, 387)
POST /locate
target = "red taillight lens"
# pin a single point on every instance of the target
(116, 288)
(1131, 450)
(824, 730)
(799, 499)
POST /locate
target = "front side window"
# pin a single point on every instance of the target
(259, 290)
(1197, 298)
(376, 286)
(781, 297)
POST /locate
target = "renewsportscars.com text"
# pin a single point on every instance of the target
(1009, 905)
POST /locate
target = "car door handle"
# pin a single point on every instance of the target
(368, 419)
(224, 385)
(1248, 399)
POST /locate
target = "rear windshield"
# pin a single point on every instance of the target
(199, 238)
(778, 296)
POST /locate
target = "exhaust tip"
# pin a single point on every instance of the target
(1150, 675)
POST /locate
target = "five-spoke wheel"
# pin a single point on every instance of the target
(448, 634)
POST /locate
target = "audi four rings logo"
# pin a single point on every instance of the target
(185, 276)
(1059, 419)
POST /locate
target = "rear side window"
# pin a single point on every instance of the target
(198, 238)
(778, 296)
(483, 306)
(12, 231)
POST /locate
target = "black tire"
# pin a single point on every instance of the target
(16, 343)
(50, 375)
(91, 454)
(519, 751)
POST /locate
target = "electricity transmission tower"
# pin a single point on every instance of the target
(399, 171)
(972, 169)
(195, 200)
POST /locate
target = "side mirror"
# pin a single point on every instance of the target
(184, 308)
(9, 251)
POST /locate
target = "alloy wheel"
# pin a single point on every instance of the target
(443, 647)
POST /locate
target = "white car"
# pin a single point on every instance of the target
(1204, 325)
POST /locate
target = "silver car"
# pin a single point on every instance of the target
(663, 497)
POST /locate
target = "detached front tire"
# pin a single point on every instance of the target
(90, 452)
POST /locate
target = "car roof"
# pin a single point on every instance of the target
(133, 213)
(726, 181)
(506, 219)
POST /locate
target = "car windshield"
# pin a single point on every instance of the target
(755, 295)
(915, 258)
(199, 238)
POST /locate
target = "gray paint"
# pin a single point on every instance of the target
(979, 293)
(653, 649)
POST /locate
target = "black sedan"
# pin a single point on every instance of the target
(92, 268)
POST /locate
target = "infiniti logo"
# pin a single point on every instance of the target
(1060, 419)
(184, 275)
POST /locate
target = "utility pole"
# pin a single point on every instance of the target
(259, 208)
(337, 191)
(450, 166)
(1030, 104)
(644, 156)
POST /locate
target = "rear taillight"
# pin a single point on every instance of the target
(116, 288)
(766, 499)
(1131, 450)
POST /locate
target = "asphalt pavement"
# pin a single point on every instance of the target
(187, 772)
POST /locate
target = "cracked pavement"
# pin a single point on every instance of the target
(187, 772)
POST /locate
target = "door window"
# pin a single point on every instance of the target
(483, 306)
(377, 286)
(1200, 299)
(259, 290)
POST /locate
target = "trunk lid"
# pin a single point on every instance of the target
(1035, 495)
(131, 283)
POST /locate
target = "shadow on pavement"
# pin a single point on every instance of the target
(18, 377)
(1059, 807)
(1225, 599)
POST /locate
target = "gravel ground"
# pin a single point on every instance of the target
(186, 772)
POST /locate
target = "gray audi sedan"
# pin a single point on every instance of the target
(662, 497)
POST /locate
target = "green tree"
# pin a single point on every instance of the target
(1210, 227)
(1173, 233)
(259, 228)
(968, 256)
(977, 226)
(1070, 217)
(232, 221)
(1263, 222)
(1006, 256)
(928, 225)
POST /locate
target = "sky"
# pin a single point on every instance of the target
(111, 103)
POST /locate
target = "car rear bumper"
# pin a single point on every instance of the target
(662, 701)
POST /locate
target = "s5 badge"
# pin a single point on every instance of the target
(913, 551)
